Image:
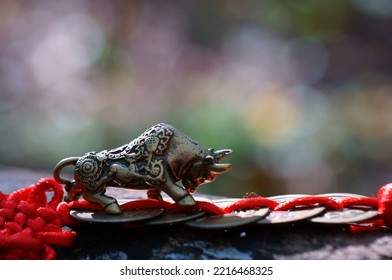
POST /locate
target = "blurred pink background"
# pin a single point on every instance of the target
(300, 90)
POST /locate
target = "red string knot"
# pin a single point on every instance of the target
(29, 222)
(385, 204)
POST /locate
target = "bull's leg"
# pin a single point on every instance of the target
(109, 203)
(154, 194)
(178, 194)
(187, 200)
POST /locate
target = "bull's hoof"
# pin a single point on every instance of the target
(187, 200)
(113, 208)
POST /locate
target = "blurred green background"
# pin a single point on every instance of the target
(300, 90)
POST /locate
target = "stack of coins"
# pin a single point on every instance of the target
(238, 218)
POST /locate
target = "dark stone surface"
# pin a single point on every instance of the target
(292, 241)
(299, 241)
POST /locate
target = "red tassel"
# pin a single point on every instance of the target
(61, 238)
(29, 223)
(385, 204)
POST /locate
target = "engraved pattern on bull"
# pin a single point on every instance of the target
(158, 160)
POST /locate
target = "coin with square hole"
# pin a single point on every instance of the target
(174, 218)
(125, 217)
(285, 197)
(179, 217)
(347, 215)
(290, 216)
(231, 220)
(337, 196)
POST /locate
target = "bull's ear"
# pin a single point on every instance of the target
(208, 160)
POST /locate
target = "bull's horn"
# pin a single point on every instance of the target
(222, 153)
(220, 168)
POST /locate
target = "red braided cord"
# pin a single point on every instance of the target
(359, 201)
(251, 203)
(64, 209)
(29, 223)
(309, 201)
(384, 203)
(200, 206)
(371, 225)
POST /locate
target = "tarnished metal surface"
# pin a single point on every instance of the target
(294, 215)
(347, 215)
(124, 217)
(161, 159)
(173, 218)
(230, 220)
(280, 217)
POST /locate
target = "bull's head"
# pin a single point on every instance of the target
(206, 169)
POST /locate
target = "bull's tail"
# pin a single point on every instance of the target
(70, 186)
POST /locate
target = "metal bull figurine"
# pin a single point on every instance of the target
(155, 161)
